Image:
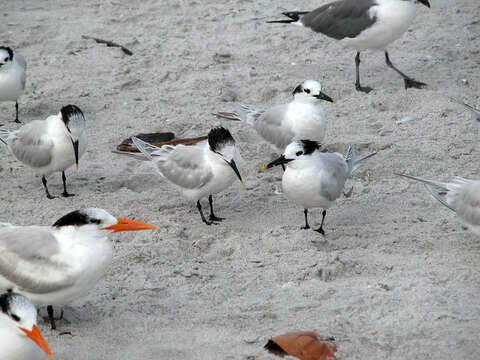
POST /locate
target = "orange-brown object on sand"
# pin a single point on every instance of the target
(157, 139)
(304, 345)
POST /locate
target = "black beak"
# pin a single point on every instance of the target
(75, 150)
(323, 96)
(280, 161)
(425, 2)
(235, 169)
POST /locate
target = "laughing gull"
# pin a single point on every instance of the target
(361, 25)
(12, 76)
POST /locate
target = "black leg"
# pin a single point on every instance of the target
(50, 316)
(44, 182)
(409, 82)
(366, 89)
(199, 207)
(212, 216)
(320, 229)
(64, 179)
(305, 211)
(16, 113)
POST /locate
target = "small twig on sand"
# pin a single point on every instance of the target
(108, 43)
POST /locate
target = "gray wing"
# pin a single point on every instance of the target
(25, 260)
(21, 61)
(340, 19)
(272, 127)
(331, 187)
(184, 166)
(464, 196)
(31, 145)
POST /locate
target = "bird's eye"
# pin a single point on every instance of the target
(299, 153)
(307, 91)
(15, 317)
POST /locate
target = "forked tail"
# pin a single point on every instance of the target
(353, 164)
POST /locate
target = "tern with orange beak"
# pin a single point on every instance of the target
(50, 145)
(206, 168)
(53, 265)
(20, 337)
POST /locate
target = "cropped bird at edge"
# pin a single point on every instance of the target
(54, 265)
(361, 25)
(50, 145)
(301, 118)
(13, 73)
(460, 195)
(312, 178)
(203, 169)
(20, 337)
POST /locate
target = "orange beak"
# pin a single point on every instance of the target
(38, 339)
(130, 225)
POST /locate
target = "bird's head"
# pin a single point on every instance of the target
(222, 143)
(75, 123)
(24, 315)
(424, 2)
(6, 58)
(310, 91)
(296, 150)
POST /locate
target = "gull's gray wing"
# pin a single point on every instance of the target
(31, 145)
(341, 19)
(272, 127)
(182, 165)
(21, 61)
(331, 186)
(26, 260)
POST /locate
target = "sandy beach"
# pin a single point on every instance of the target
(397, 275)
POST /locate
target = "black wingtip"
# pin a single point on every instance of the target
(293, 15)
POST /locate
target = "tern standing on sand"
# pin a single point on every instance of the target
(13, 73)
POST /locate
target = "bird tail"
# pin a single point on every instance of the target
(293, 15)
(4, 136)
(353, 164)
(241, 113)
(438, 189)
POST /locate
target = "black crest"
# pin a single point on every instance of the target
(10, 52)
(218, 138)
(70, 111)
(76, 218)
(298, 89)
(5, 302)
(310, 146)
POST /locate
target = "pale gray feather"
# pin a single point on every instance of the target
(331, 186)
(25, 260)
(340, 19)
(29, 147)
(269, 126)
(21, 61)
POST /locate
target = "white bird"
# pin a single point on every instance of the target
(20, 337)
(13, 72)
(314, 179)
(50, 145)
(301, 118)
(461, 196)
(53, 265)
(361, 25)
(205, 168)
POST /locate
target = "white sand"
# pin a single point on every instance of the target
(400, 275)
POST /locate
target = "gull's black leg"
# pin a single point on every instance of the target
(44, 182)
(409, 82)
(16, 113)
(305, 211)
(366, 89)
(50, 316)
(320, 229)
(64, 179)
(212, 216)
(199, 207)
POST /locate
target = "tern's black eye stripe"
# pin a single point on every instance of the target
(307, 91)
(15, 317)
(299, 153)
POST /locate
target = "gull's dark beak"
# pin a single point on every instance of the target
(280, 161)
(75, 150)
(424, 2)
(323, 96)
(235, 169)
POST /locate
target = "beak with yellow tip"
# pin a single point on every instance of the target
(38, 339)
(130, 225)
